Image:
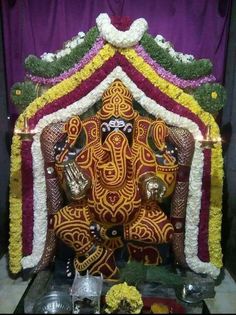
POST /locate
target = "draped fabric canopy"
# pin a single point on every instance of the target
(32, 27)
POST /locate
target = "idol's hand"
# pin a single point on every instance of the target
(153, 188)
(77, 182)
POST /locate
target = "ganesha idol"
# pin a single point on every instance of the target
(114, 183)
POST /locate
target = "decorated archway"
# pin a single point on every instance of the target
(169, 85)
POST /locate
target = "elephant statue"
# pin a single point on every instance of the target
(116, 169)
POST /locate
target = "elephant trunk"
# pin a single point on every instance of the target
(113, 167)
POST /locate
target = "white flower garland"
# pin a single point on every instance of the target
(185, 58)
(118, 38)
(79, 107)
(133, 35)
(50, 57)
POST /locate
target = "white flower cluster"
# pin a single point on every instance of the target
(119, 38)
(50, 57)
(185, 58)
(81, 106)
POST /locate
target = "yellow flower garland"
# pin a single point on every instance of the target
(15, 200)
(189, 102)
(122, 292)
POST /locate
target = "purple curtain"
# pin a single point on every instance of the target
(198, 27)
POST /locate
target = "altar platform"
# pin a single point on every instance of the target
(44, 282)
(13, 293)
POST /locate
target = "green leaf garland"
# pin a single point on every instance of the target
(40, 67)
(190, 70)
(135, 273)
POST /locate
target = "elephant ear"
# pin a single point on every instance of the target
(159, 133)
(72, 129)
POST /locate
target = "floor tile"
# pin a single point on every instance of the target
(11, 290)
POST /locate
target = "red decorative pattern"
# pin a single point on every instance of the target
(152, 227)
(184, 142)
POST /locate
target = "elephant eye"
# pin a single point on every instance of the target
(128, 128)
(105, 127)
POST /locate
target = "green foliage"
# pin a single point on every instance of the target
(39, 67)
(163, 275)
(211, 97)
(22, 94)
(135, 273)
(190, 70)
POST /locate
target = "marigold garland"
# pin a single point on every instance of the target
(15, 242)
(123, 297)
(216, 204)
